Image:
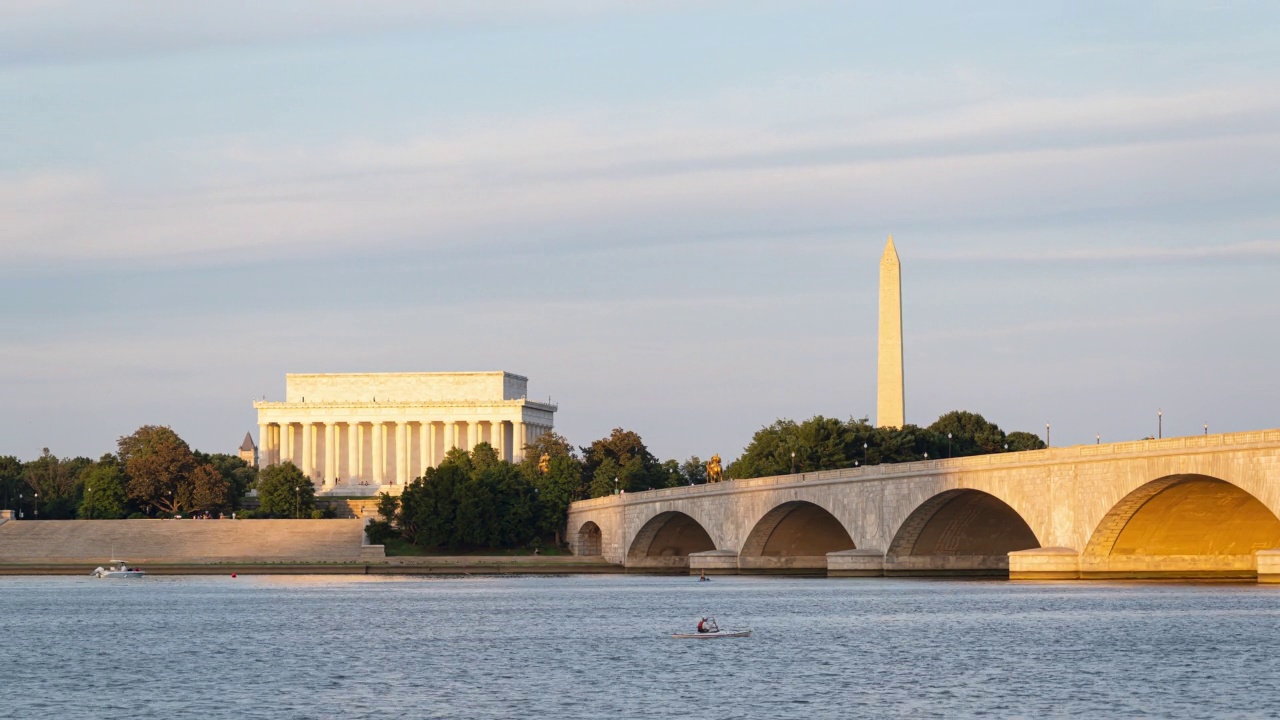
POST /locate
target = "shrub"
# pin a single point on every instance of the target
(379, 531)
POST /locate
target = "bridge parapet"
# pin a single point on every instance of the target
(1029, 458)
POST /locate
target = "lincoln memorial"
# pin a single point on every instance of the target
(364, 433)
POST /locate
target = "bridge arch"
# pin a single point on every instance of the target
(590, 539)
(1185, 525)
(794, 536)
(962, 531)
(666, 540)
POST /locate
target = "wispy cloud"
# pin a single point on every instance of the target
(657, 170)
(1268, 250)
(58, 31)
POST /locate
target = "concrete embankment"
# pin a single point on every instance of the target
(215, 547)
(77, 542)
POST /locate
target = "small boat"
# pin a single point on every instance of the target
(120, 570)
(709, 630)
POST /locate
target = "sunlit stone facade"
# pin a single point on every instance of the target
(364, 433)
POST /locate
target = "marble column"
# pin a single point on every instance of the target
(434, 442)
(264, 445)
(498, 432)
(330, 452)
(473, 435)
(402, 452)
(353, 454)
(450, 436)
(361, 454)
(307, 465)
(286, 442)
(518, 441)
(424, 437)
(379, 452)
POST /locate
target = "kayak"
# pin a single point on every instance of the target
(712, 635)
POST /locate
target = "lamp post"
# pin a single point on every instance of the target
(1159, 424)
(926, 454)
(1048, 441)
(1097, 439)
(88, 491)
(297, 501)
(793, 462)
(948, 445)
(35, 506)
(615, 484)
(864, 453)
(1206, 427)
(19, 506)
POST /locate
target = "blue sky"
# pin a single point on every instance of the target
(669, 215)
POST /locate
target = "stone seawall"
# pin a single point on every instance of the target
(62, 542)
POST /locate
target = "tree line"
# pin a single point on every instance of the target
(153, 473)
(822, 443)
(472, 499)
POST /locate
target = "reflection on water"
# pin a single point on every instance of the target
(598, 646)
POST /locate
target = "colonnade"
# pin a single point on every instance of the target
(384, 452)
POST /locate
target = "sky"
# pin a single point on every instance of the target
(667, 215)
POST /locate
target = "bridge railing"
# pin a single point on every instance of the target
(1027, 457)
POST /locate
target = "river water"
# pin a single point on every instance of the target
(599, 647)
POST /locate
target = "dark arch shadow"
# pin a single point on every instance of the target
(793, 538)
(590, 539)
(1183, 526)
(665, 542)
(959, 532)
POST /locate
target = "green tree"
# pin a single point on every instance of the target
(158, 463)
(476, 500)
(694, 471)
(284, 492)
(555, 489)
(104, 496)
(819, 443)
(388, 506)
(428, 507)
(636, 468)
(971, 434)
(1019, 441)
(548, 443)
(207, 490)
(52, 485)
(10, 481)
(239, 475)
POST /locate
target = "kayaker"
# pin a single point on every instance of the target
(702, 626)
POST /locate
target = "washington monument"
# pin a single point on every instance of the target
(889, 393)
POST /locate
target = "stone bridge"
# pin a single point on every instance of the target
(1199, 506)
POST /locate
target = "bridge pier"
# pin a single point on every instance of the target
(1052, 563)
(855, 563)
(1268, 566)
(714, 562)
(782, 565)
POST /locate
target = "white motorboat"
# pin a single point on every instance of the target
(709, 630)
(121, 569)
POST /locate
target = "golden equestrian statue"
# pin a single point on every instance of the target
(544, 464)
(714, 473)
